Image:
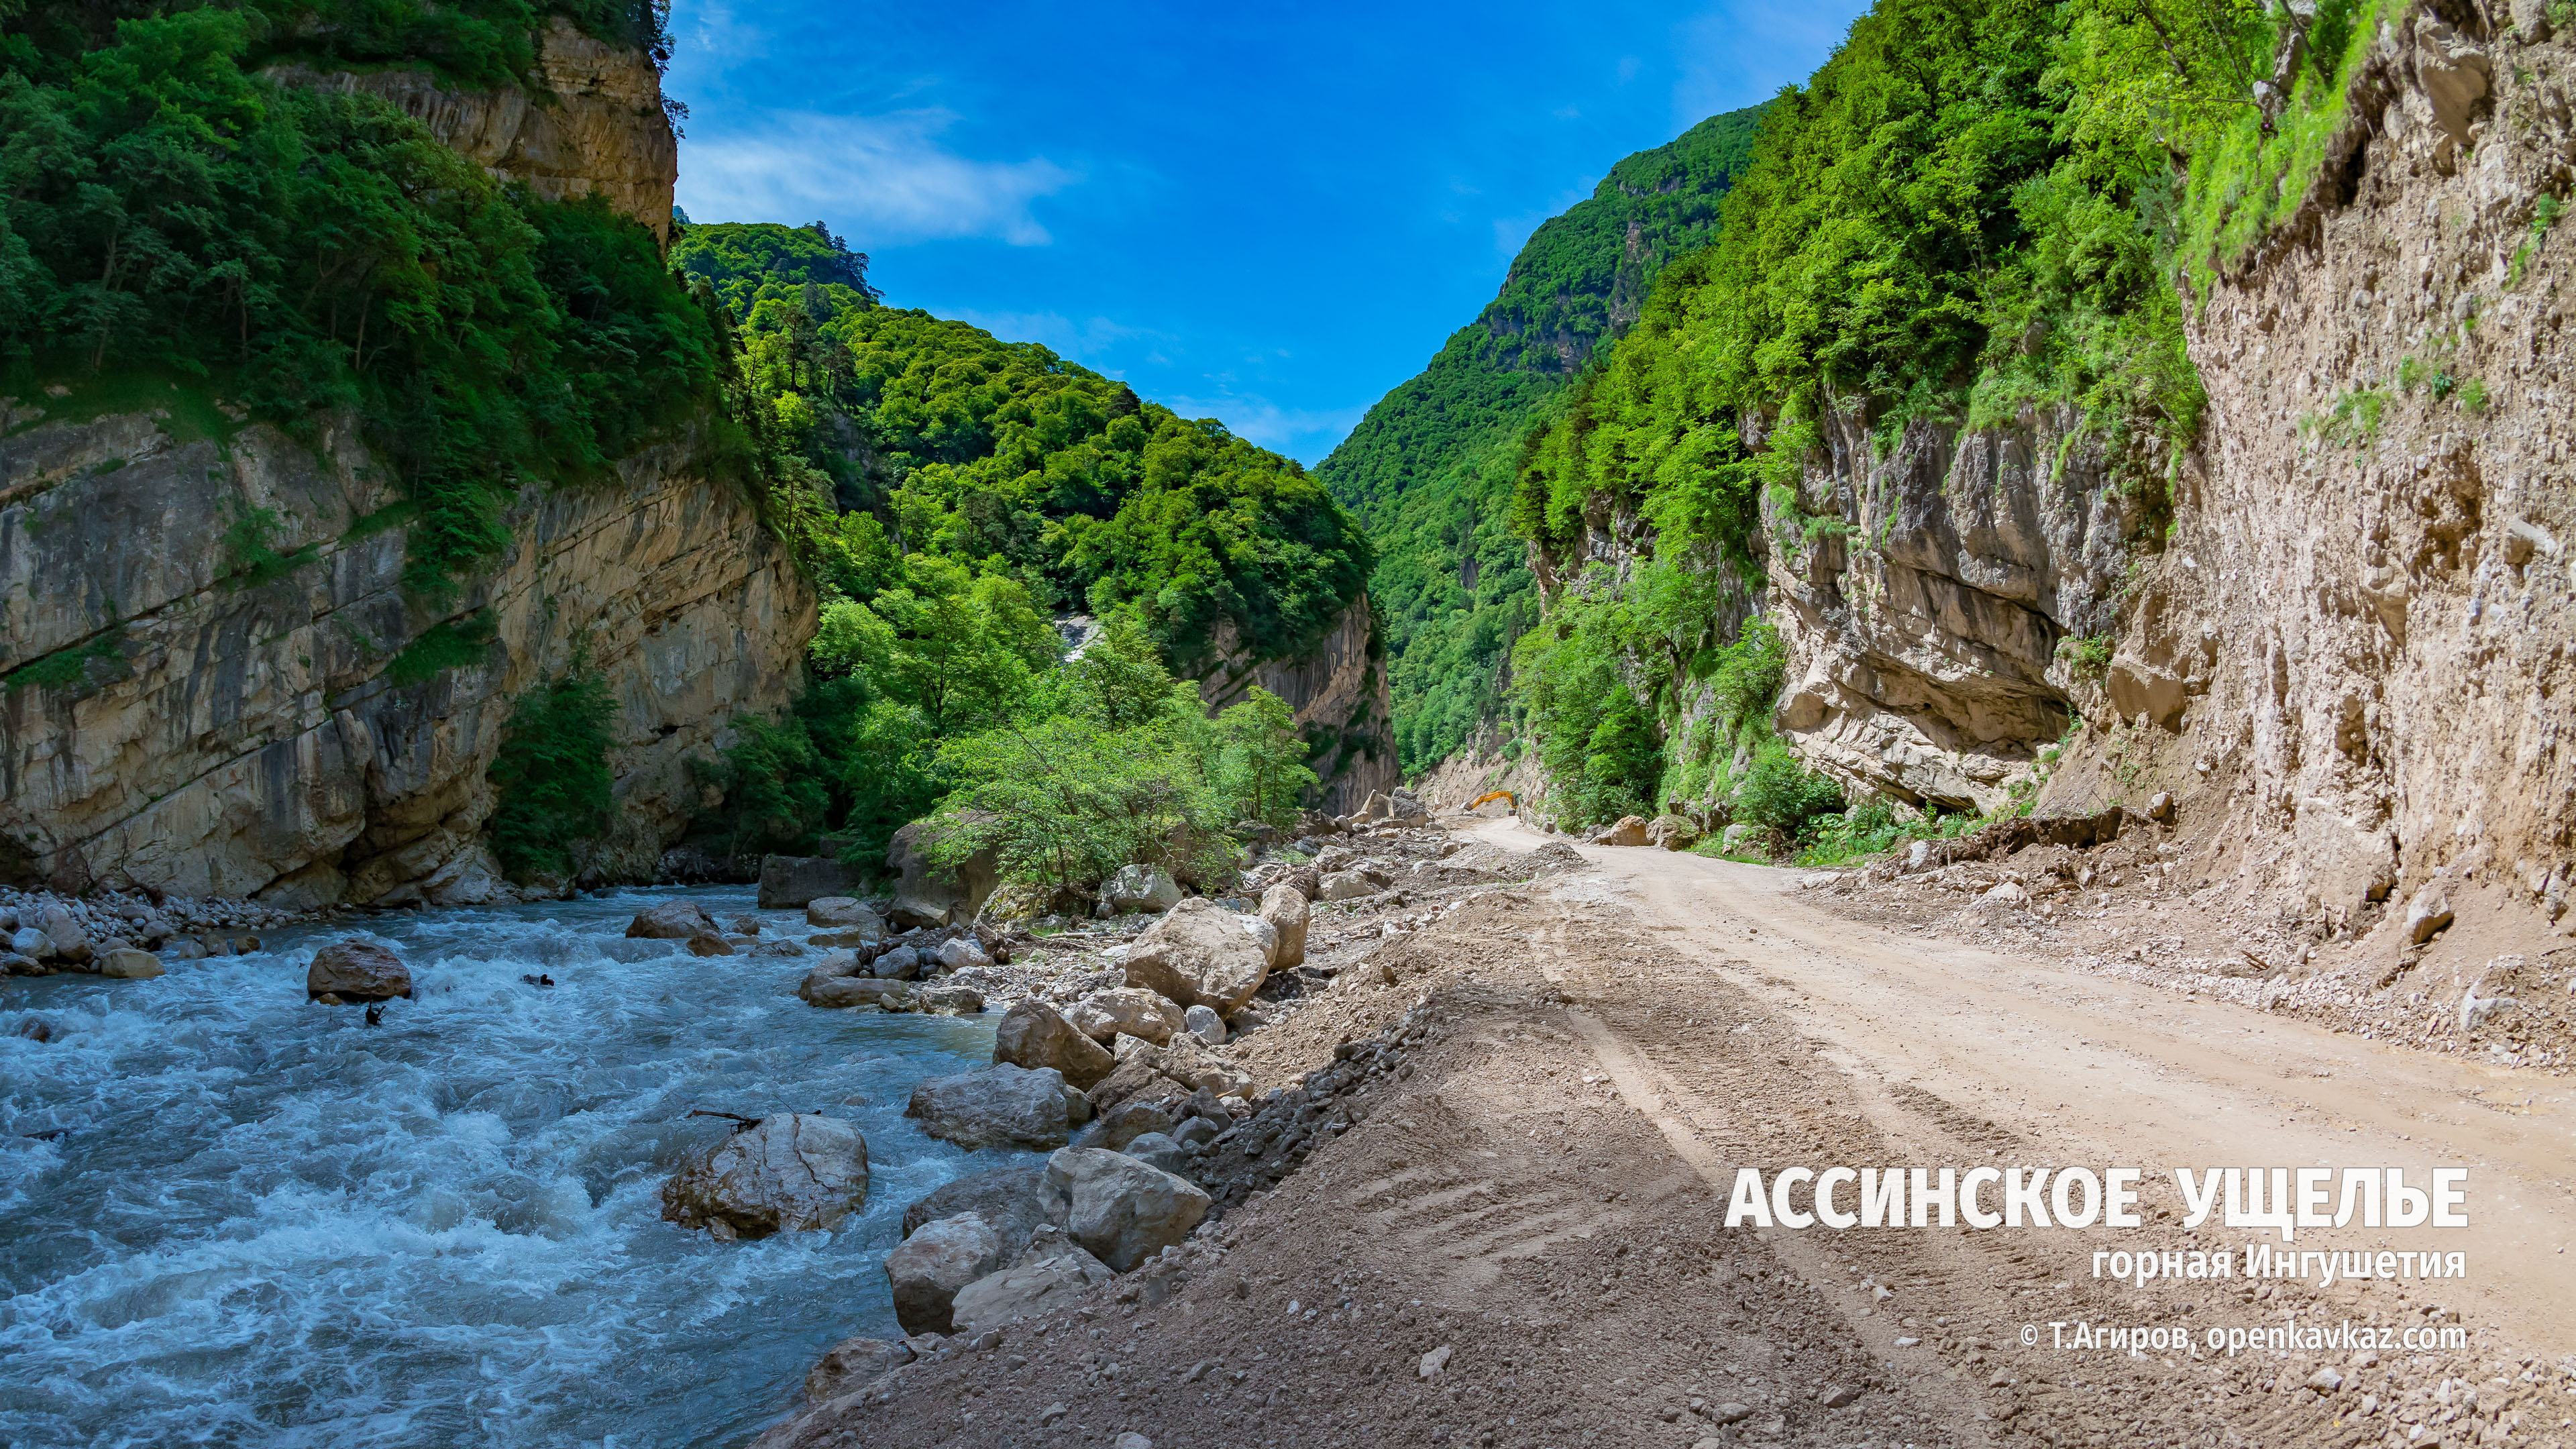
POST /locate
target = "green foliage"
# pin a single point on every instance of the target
(1262, 761)
(1596, 741)
(1113, 762)
(1860, 831)
(550, 780)
(66, 667)
(171, 210)
(1429, 470)
(2473, 397)
(1778, 795)
(250, 547)
(775, 788)
(748, 263)
(448, 644)
(1007, 458)
(1745, 687)
(2089, 657)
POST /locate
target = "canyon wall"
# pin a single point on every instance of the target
(2348, 651)
(1338, 690)
(594, 124)
(203, 726)
(233, 736)
(2354, 650)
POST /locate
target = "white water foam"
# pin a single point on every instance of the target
(265, 1223)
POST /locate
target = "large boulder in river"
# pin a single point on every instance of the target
(1198, 954)
(926, 1269)
(844, 913)
(1105, 1016)
(1000, 1106)
(1034, 1034)
(357, 971)
(1013, 1201)
(821, 990)
(672, 921)
(931, 895)
(1120, 1210)
(793, 1172)
(789, 881)
(1284, 907)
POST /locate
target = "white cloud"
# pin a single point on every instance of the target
(1055, 331)
(1305, 434)
(883, 179)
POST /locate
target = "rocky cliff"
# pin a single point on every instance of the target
(1338, 690)
(2354, 650)
(225, 735)
(2346, 650)
(594, 122)
(207, 722)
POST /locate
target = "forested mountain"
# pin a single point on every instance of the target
(1429, 469)
(981, 487)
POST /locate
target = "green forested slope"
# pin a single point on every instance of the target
(982, 486)
(167, 211)
(1973, 208)
(1429, 470)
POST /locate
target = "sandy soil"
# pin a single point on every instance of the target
(1522, 1170)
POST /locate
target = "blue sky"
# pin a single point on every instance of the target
(1267, 214)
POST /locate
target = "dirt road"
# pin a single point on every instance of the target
(1509, 1231)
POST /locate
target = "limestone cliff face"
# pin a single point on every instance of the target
(2350, 652)
(1923, 621)
(1340, 695)
(595, 124)
(2354, 653)
(242, 738)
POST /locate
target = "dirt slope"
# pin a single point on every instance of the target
(1537, 1183)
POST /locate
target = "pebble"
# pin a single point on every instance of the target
(1433, 1362)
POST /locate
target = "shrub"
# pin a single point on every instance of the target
(551, 776)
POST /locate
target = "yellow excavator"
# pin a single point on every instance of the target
(1493, 795)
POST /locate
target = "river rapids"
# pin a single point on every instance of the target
(228, 1217)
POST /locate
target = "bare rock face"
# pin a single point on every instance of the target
(1345, 885)
(1132, 1120)
(843, 913)
(600, 127)
(1198, 955)
(1104, 1016)
(672, 921)
(1119, 1209)
(1337, 685)
(1284, 907)
(357, 971)
(233, 775)
(1141, 888)
(128, 964)
(1034, 1034)
(999, 1106)
(793, 1172)
(929, 1266)
(789, 881)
